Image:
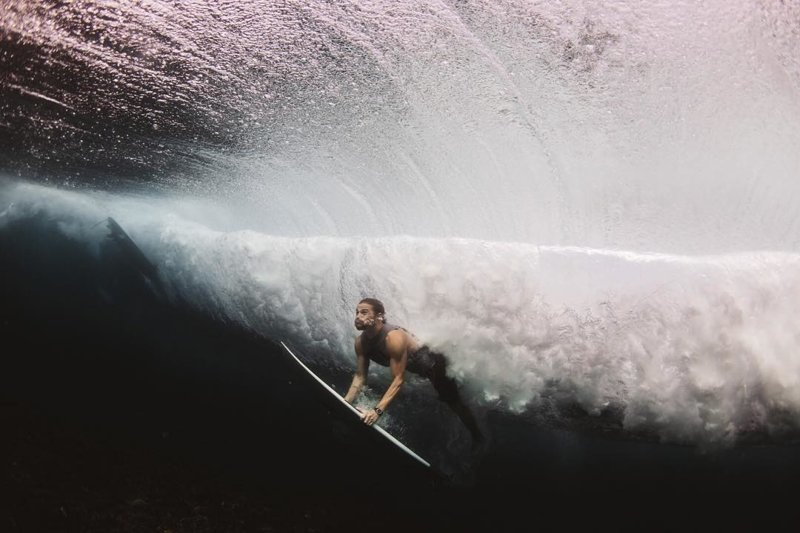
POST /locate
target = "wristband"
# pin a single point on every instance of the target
(378, 410)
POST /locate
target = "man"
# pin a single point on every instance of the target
(396, 348)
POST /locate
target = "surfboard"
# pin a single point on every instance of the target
(356, 412)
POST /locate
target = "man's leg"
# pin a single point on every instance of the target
(447, 388)
(467, 418)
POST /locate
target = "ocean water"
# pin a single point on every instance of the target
(592, 209)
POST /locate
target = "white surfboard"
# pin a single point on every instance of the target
(356, 412)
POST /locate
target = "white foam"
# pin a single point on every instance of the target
(693, 349)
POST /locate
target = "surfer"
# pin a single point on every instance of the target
(393, 346)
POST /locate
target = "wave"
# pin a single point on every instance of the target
(674, 348)
(668, 128)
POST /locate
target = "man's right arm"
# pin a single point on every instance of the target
(360, 377)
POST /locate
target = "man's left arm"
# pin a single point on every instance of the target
(397, 350)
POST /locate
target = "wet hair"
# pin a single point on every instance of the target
(376, 305)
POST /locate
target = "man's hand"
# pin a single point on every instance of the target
(370, 417)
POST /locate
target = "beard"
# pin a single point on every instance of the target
(365, 324)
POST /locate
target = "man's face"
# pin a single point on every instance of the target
(365, 317)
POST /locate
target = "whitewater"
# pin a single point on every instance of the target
(685, 349)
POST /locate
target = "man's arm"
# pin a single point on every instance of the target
(397, 350)
(360, 377)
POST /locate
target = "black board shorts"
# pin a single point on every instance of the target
(446, 386)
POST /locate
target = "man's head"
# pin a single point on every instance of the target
(369, 312)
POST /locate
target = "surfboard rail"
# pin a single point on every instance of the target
(356, 412)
